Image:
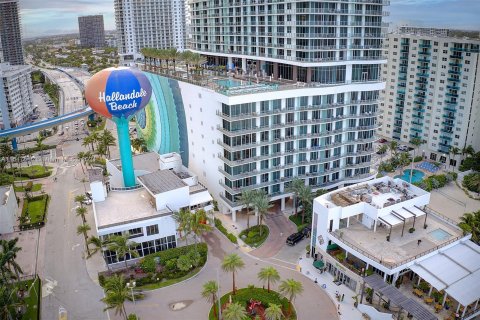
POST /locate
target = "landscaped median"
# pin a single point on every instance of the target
(34, 212)
(253, 236)
(222, 229)
(164, 268)
(255, 301)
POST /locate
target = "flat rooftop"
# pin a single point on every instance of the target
(144, 161)
(380, 193)
(126, 207)
(399, 248)
(161, 181)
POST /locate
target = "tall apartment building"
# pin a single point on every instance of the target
(301, 100)
(148, 24)
(10, 32)
(92, 31)
(432, 89)
(17, 95)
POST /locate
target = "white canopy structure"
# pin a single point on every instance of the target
(455, 270)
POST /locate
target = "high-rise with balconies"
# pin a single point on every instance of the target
(10, 33)
(92, 31)
(432, 90)
(300, 98)
(148, 24)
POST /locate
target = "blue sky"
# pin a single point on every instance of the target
(46, 17)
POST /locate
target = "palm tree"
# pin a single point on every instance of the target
(9, 252)
(116, 292)
(268, 275)
(83, 229)
(107, 140)
(306, 197)
(198, 225)
(40, 146)
(382, 150)
(123, 247)
(392, 146)
(417, 142)
(246, 199)
(90, 140)
(183, 218)
(291, 288)
(232, 263)
(81, 211)
(7, 153)
(261, 205)
(273, 312)
(209, 293)
(187, 58)
(470, 151)
(80, 199)
(294, 188)
(81, 157)
(234, 311)
(198, 61)
(97, 243)
(470, 223)
(403, 160)
(139, 144)
(175, 55)
(9, 303)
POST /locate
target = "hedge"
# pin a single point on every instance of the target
(230, 236)
(436, 181)
(468, 182)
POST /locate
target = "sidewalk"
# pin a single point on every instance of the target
(345, 307)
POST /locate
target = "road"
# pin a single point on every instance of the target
(62, 265)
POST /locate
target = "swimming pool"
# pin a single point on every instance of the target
(229, 83)
(439, 234)
(417, 175)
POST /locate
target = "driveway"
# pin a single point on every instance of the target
(280, 228)
(312, 304)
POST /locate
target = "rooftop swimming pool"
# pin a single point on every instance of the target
(417, 176)
(229, 83)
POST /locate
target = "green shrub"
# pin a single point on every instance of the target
(243, 296)
(417, 159)
(221, 228)
(468, 182)
(171, 265)
(101, 280)
(29, 186)
(148, 265)
(252, 235)
(131, 316)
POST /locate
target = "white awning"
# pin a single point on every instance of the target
(199, 198)
(415, 211)
(455, 270)
(391, 219)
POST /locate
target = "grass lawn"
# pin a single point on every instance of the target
(31, 172)
(169, 282)
(35, 208)
(36, 187)
(298, 221)
(252, 235)
(33, 308)
(244, 295)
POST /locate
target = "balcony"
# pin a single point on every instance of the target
(455, 64)
(424, 53)
(446, 138)
(446, 131)
(454, 72)
(453, 87)
(449, 109)
(447, 116)
(423, 74)
(424, 45)
(416, 130)
(423, 68)
(417, 123)
(456, 57)
(453, 79)
(420, 95)
(424, 60)
(420, 102)
(421, 88)
(455, 95)
(417, 116)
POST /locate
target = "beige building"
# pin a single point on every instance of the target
(432, 90)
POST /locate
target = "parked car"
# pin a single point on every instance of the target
(88, 194)
(306, 232)
(294, 238)
(402, 148)
(382, 140)
(87, 201)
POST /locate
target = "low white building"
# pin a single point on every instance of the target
(145, 211)
(384, 227)
(8, 209)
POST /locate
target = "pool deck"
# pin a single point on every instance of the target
(399, 248)
(414, 177)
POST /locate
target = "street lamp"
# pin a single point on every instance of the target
(131, 285)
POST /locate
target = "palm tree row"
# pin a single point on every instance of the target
(191, 60)
(99, 142)
(268, 275)
(257, 200)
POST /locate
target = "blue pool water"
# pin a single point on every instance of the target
(417, 175)
(439, 234)
(229, 83)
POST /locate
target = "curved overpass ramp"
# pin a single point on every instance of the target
(52, 122)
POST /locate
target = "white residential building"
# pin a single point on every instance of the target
(384, 227)
(432, 90)
(18, 91)
(8, 209)
(148, 24)
(301, 98)
(145, 211)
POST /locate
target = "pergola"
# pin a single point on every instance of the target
(399, 216)
(455, 270)
(397, 298)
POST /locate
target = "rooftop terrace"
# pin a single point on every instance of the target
(118, 209)
(162, 181)
(400, 249)
(144, 161)
(231, 84)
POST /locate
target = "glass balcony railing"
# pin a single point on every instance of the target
(455, 64)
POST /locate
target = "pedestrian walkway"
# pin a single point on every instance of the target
(346, 307)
